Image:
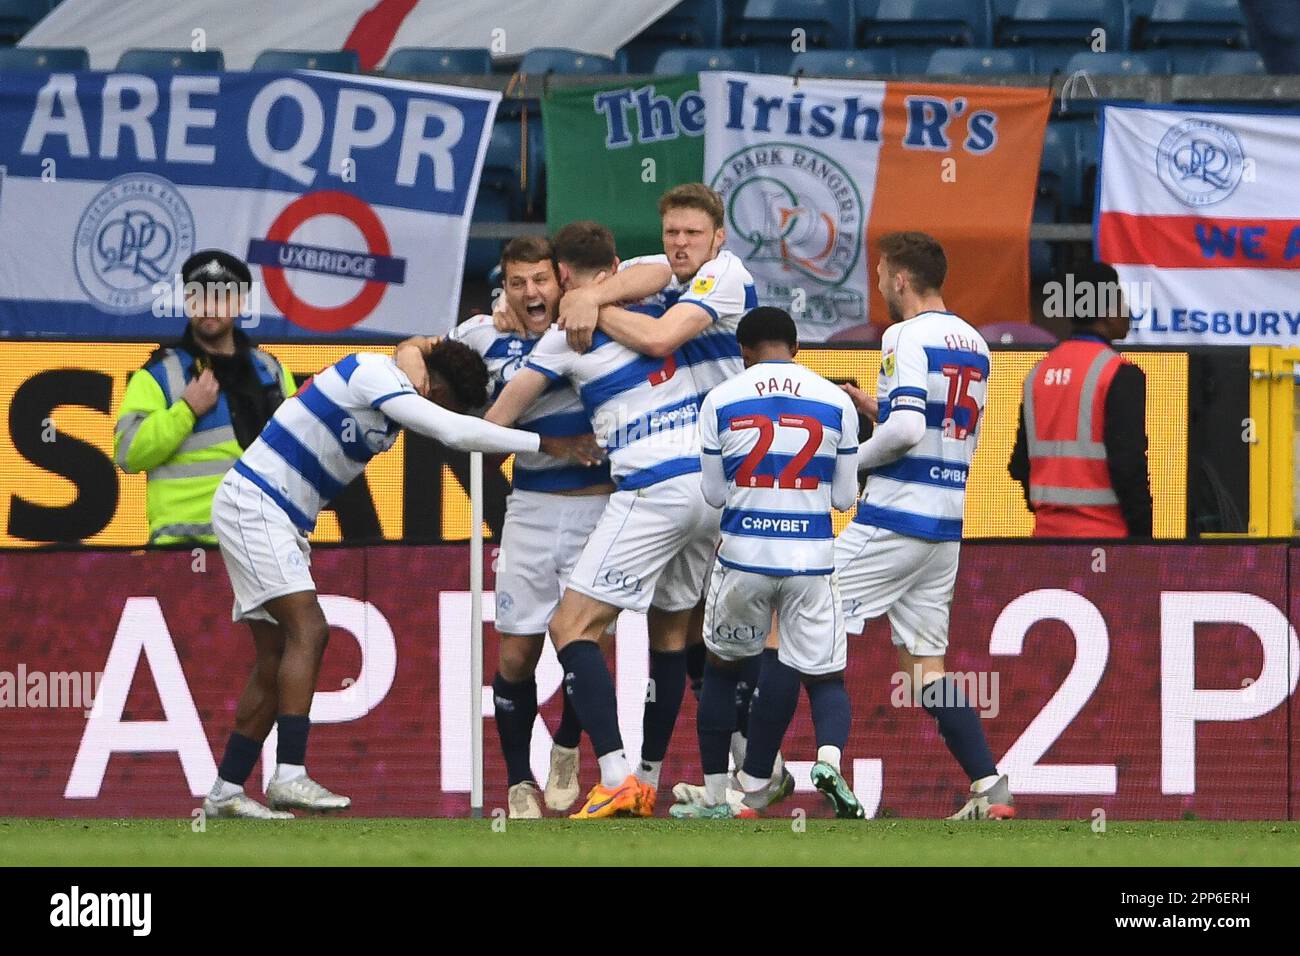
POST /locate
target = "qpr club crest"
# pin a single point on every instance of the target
(1200, 162)
(134, 233)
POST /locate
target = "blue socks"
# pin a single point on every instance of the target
(771, 710)
(959, 726)
(237, 762)
(696, 654)
(516, 709)
(589, 687)
(745, 686)
(292, 745)
(667, 686)
(716, 716)
(830, 712)
(569, 733)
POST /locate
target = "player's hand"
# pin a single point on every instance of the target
(578, 315)
(864, 403)
(202, 393)
(409, 357)
(578, 448)
(504, 318)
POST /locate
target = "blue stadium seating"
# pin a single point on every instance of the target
(1136, 63)
(942, 22)
(1058, 173)
(543, 60)
(337, 61)
(39, 59)
(690, 23)
(1066, 22)
(1051, 58)
(845, 62)
(19, 16)
(828, 23)
(775, 59)
(692, 61)
(1196, 22)
(980, 61)
(164, 61)
(1230, 63)
(439, 61)
(503, 162)
(1087, 155)
(481, 255)
(1042, 262)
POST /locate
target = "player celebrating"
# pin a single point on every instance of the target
(779, 447)
(651, 548)
(552, 508)
(899, 554)
(314, 445)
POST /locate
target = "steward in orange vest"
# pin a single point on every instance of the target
(1081, 448)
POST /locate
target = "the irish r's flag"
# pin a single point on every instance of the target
(1199, 213)
(814, 171)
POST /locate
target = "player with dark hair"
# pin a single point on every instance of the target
(641, 381)
(778, 449)
(315, 444)
(899, 554)
(553, 506)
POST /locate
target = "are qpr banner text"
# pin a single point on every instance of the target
(350, 197)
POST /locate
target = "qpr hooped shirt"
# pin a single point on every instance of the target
(645, 410)
(937, 365)
(782, 432)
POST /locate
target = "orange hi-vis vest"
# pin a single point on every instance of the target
(1065, 419)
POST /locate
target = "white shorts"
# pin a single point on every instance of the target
(911, 579)
(265, 554)
(738, 615)
(651, 547)
(541, 539)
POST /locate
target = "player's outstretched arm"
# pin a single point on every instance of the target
(524, 388)
(657, 338)
(579, 307)
(409, 356)
(901, 432)
(463, 432)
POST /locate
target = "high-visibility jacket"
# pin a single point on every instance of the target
(1065, 421)
(185, 457)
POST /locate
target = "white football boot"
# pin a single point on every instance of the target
(562, 779)
(241, 806)
(304, 793)
(524, 805)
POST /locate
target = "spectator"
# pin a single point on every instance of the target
(195, 406)
(1081, 447)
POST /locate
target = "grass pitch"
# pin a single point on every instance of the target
(659, 842)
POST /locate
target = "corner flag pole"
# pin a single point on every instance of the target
(476, 633)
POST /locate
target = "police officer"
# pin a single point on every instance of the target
(1081, 447)
(193, 408)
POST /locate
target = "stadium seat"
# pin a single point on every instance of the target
(828, 23)
(1065, 22)
(1087, 156)
(503, 162)
(41, 58)
(1058, 172)
(336, 61)
(1137, 63)
(19, 16)
(774, 59)
(943, 22)
(980, 61)
(1042, 260)
(439, 61)
(844, 63)
(1231, 63)
(693, 61)
(690, 23)
(1216, 23)
(164, 61)
(544, 60)
(481, 255)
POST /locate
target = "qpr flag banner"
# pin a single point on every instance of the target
(1199, 213)
(349, 196)
(812, 172)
